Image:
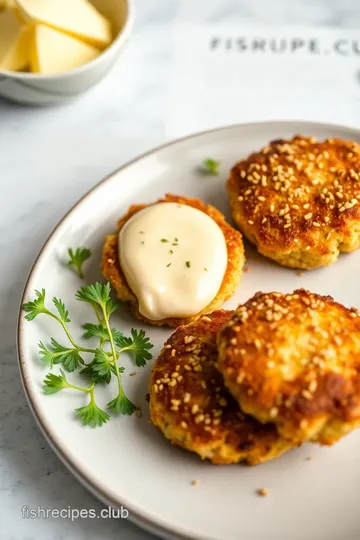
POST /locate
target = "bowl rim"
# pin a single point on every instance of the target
(118, 42)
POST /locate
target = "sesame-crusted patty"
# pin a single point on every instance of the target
(190, 405)
(298, 200)
(112, 271)
(294, 359)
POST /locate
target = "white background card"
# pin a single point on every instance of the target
(228, 74)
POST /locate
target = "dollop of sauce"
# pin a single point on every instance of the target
(174, 258)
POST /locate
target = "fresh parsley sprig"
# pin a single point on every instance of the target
(77, 258)
(104, 364)
(211, 166)
(91, 414)
(138, 345)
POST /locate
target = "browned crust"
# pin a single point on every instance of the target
(186, 387)
(112, 271)
(294, 359)
(297, 200)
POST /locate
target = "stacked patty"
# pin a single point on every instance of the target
(251, 384)
(191, 406)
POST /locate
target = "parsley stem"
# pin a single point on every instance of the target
(91, 392)
(113, 350)
(81, 389)
(98, 316)
(69, 336)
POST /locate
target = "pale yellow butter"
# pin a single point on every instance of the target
(14, 42)
(54, 52)
(78, 18)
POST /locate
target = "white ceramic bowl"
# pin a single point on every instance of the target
(32, 88)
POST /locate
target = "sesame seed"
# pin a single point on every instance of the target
(195, 482)
(250, 222)
(173, 352)
(274, 411)
(262, 492)
(308, 216)
(306, 394)
(194, 408)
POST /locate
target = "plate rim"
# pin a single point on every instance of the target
(152, 525)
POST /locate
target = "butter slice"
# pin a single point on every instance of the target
(14, 42)
(54, 52)
(78, 18)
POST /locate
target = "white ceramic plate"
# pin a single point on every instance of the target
(127, 462)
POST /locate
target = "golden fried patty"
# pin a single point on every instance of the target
(294, 359)
(112, 271)
(298, 200)
(189, 403)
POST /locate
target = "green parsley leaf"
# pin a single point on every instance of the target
(35, 307)
(111, 307)
(54, 383)
(97, 294)
(68, 357)
(102, 365)
(77, 259)
(47, 356)
(211, 166)
(92, 372)
(92, 415)
(138, 345)
(188, 264)
(95, 330)
(121, 405)
(61, 309)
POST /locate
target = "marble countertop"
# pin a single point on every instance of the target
(49, 158)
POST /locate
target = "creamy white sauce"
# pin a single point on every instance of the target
(174, 258)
